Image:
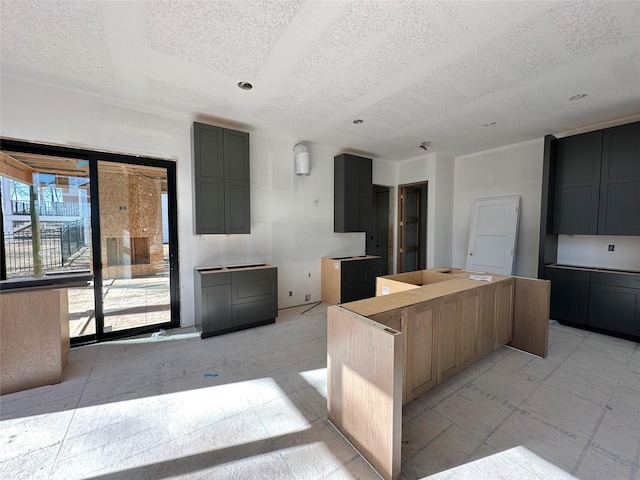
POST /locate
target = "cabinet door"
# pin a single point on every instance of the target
(353, 193)
(354, 281)
(504, 312)
(486, 320)
(470, 311)
(620, 181)
(237, 180)
(215, 309)
(448, 334)
(569, 295)
(614, 308)
(208, 153)
(421, 346)
(254, 312)
(365, 194)
(577, 184)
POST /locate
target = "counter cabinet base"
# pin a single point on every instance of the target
(215, 333)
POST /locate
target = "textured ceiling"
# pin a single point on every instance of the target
(414, 71)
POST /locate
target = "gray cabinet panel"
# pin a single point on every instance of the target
(358, 279)
(228, 299)
(569, 295)
(207, 144)
(577, 184)
(237, 178)
(353, 193)
(216, 308)
(254, 291)
(249, 313)
(614, 308)
(221, 170)
(620, 181)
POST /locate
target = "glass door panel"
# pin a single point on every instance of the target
(46, 210)
(135, 252)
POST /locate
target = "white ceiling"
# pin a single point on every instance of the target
(414, 71)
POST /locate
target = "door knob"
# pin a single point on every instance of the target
(471, 254)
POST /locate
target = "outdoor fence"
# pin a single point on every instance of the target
(51, 209)
(57, 245)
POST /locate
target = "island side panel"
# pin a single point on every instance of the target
(531, 315)
(364, 387)
(330, 280)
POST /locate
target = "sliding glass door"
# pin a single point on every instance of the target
(135, 252)
(114, 216)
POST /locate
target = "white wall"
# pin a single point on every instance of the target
(511, 170)
(592, 251)
(287, 230)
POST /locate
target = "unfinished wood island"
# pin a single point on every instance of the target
(430, 325)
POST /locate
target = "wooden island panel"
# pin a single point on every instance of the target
(34, 338)
(364, 387)
(421, 348)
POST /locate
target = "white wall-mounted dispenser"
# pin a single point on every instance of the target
(303, 165)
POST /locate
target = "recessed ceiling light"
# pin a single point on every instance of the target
(245, 85)
(358, 121)
(577, 97)
(489, 124)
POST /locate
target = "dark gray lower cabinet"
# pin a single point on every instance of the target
(614, 303)
(569, 294)
(607, 301)
(358, 279)
(228, 299)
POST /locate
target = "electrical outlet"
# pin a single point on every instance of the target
(612, 248)
(307, 297)
(290, 293)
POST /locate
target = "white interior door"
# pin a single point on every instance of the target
(493, 235)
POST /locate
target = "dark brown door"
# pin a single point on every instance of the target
(409, 254)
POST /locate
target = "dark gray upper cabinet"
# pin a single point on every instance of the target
(597, 182)
(577, 184)
(353, 193)
(620, 181)
(221, 169)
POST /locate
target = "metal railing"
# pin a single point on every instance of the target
(52, 209)
(71, 239)
(57, 246)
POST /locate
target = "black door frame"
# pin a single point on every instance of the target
(93, 157)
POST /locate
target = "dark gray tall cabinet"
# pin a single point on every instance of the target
(353, 193)
(221, 183)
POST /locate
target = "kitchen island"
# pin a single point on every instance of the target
(34, 330)
(423, 328)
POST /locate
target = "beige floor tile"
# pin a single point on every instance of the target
(564, 412)
(540, 436)
(421, 430)
(476, 410)
(599, 465)
(449, 449)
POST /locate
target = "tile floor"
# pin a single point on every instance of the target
(252, 405)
